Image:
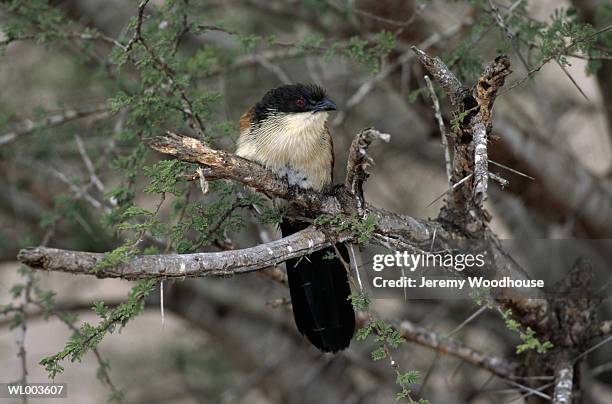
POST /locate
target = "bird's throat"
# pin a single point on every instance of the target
(296, 146)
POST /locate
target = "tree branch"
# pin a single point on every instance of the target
(223, 264)
(443, 134)
(449, 82)
(473, 113)
(563, 384)
(26, 127)
(220, 164)
(397, 231)
(498, 366)
(489, 83)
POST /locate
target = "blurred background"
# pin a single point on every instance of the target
(68, 130)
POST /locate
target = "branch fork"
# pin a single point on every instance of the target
(470, 156)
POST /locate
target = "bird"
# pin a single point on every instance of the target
(287, 132)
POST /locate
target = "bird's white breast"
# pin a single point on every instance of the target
(295, 145)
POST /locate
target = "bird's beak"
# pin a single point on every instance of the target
(325, 105)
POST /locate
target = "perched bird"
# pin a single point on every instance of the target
(286, 131)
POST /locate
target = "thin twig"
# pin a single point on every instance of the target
(548, 59)
(28, 126)
(529, 389)
(351, 248)
(442, 127)
(455, 186)
(273, 68)
(93, 177)
(498, 366)
(21, 352)
(161, 303)
(467, 321)
(594, 347)
(80, 192)
(402, 24)
(197, 123)
(404, 58)
(102, 364)
(569, 76)
(511, 169)
(73, 35)
(502, 181)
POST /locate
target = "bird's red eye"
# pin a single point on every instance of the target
(300, 102)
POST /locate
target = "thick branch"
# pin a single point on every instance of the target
(563, 384)
(473, 112)
(395, 231)
(223, 165)
(470, 160)
(481, 163)
(392, 230)
(485, 92)
(220, 164)
(456, 207)
(449, 82)
(226, 263)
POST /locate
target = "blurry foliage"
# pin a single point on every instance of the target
(158, 85)
(564, 35)
(603, 17)
(530, 341)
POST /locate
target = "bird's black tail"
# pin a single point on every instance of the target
(319, 291)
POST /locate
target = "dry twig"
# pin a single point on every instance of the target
(443, 133)
(26, 127)
(359, 161)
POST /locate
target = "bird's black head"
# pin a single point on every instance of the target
(294, 98)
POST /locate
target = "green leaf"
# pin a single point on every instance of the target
(16, 290)
(363, 332)
(164, 176)
(360, 301)
(379, 353)
(408, 378)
